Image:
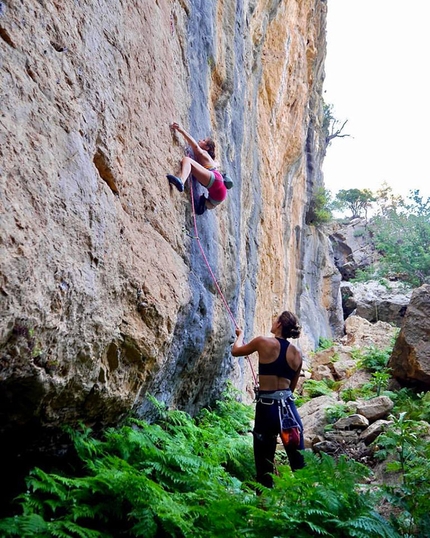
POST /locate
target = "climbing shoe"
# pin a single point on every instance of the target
(176, 181)
(200, 205)
(228, 182)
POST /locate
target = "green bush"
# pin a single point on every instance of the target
(324, 343)
(335, 412)
(319, 211)
(312, 388)
(407, 452)
(373, 359)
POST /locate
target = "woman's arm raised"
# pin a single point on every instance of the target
(191, 141)
(240, 349)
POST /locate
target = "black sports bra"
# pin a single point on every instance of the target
(280, 366)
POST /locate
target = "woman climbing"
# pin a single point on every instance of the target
(204, 168)
(279, 366)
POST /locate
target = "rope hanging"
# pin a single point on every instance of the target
(230, 313)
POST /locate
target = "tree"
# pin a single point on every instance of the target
(332, 127)
(402, 236)
(387, 200)
(356, 200)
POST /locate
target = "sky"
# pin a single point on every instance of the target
(377, 72)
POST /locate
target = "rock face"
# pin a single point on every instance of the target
(105, 294)
(376, 302)
(321, 285)
(351, 246)
(410, 359)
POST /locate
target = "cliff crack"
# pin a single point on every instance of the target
(104, 169)
(4, 34)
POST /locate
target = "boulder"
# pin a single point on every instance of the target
(314, 418)
(352, 422)
(344, 368)
(375, 301)
(322, 372)
(371, 433)
(342, 437)
(375, 408)
(357, 379)
(410, 359)
(325, 446)
(361, 333)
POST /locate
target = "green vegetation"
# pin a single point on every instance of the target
(407, 454)
(416, 406)
(372, 358)
(324, 343)
(181, 477)
(365, 274)
(319, 210)
(335, 412)
(185, 477)
(352, 394)
(358, 201)
(401, 233)
(380, 380)
(312, 389)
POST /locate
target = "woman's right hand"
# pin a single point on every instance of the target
(176, 127)
(238, 331)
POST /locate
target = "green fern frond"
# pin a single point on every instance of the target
(31, 525)
(369, 526)
(69, 529)
(317, 529)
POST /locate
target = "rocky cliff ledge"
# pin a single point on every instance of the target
(105, 296)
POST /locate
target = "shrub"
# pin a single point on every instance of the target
(373, 359)
(324, 343)
(312, 388)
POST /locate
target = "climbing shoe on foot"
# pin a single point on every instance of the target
(200, 205)
(176, 181)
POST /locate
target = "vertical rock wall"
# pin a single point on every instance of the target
(105, 295)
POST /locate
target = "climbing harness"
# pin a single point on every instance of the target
(230, 313)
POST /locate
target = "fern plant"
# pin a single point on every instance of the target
(405, 447)
(184, 477)
(322, 499)
(324, 343)
(313, 388)
(336, 411)
(372, 358)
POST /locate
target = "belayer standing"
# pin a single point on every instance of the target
(279, 366)
(204, 168)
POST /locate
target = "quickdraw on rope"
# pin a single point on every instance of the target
(196, 236)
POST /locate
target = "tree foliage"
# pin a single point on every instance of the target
(358, 201)
(401, 232)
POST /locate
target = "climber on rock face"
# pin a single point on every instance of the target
(204, 168)
(279, 366)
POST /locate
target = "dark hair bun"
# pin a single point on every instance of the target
(290, 325)
(295, 332)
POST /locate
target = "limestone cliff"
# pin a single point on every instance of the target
(105, 295)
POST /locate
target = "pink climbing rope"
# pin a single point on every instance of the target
(230, 313)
